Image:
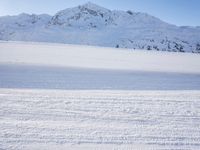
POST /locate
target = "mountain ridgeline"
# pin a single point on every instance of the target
(90, 24)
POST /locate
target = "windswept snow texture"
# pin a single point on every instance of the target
(90, 24)
(39, 119)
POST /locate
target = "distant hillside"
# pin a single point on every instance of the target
(90, 24)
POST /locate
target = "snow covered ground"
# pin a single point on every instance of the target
(98, 57)
(54, 119)
(56, 96)
(65, 78)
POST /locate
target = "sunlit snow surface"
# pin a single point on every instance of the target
(152, 119)
(55, 96)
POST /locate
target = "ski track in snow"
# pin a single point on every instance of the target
(156, 119)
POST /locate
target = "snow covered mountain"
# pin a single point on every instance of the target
(90, 24)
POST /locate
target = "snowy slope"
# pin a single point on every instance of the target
(90, 24)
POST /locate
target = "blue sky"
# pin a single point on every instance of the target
(179, 12)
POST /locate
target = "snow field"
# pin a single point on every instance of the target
(147, 119)
(98, 57)
(55, 96)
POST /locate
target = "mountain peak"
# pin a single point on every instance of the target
(89, 4)
(92, 6)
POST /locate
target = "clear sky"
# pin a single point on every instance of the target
(178, 12)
